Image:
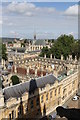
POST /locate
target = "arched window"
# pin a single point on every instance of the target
(37, 101)
(51, 94)
(42, 98)
(31, 103)
(47, 96)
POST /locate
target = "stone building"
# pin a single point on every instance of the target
(46, 83)
(37, 97)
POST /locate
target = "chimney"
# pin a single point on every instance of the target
(45, 56)
(61, 57)
(51, 56)
(75, 58)
(54, 57)
(70, 57)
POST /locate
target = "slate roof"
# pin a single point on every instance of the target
(30, 86)
(40, 42)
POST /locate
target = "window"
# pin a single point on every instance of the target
(55, 92)
(26, 109)
(51, 94)
(47, 96)
(9, 116)
(37, 101)
(13, 114)
(41, 98)
(31, 103)
(59, 91)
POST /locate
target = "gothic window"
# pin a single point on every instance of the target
(47, 96)
(9, 116)
(42, 98)
(55, 92)
(51, 94)
(13, 114)
(37, 101)
(31, 103)
(59, 91)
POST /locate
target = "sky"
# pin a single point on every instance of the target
(45, 19)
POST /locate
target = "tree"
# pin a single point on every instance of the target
(22, 44)
(64, 45)
(15, 80)
(44, 51)
(4, 54)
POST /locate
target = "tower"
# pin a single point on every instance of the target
(34, 40)
(34, 36)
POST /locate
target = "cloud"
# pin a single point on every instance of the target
(25, 17)
(72, 10)
(21, 8)
(1, 22)
(12, 32)
(28, 9)
(71, 33)
(10, 24)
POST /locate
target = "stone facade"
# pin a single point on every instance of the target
(58, 81)
(42, 100)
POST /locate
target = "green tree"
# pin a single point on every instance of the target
(15, 80)
(65, 45)
(62, 46)
(4, 50)
(44, 51)
(22, 44)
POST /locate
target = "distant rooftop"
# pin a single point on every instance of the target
(40, 42)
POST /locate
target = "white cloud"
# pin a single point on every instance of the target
(72, 10)
(27, 16)
(71, 33)
(10, 24)
(12, 32)
(20, 8)
(28, 9)
(1, 22)
(29, 13)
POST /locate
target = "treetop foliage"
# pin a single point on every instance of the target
(64, 45)
(15, 80)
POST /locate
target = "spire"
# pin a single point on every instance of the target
(34, 34)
